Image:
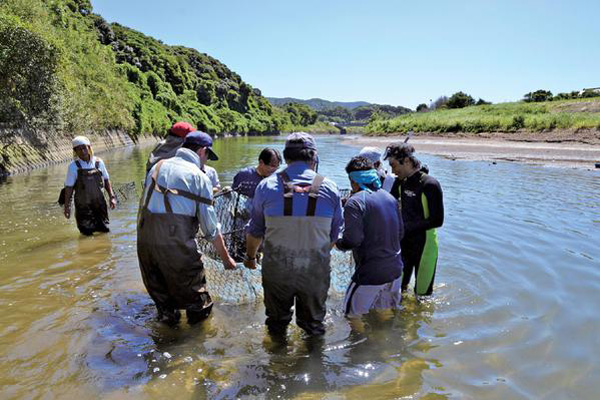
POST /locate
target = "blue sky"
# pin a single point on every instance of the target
(383, 51)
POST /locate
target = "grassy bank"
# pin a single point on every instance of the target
(505, 117)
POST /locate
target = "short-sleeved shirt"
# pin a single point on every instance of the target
(184, 172)
(268, 200)
(213, 176)
(72, 170)
(246, 181)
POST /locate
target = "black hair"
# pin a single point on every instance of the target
(296, 154)
(192, 146)
(402, 151)
(359, 163)
(267, 154)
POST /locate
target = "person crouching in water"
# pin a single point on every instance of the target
(86, 176)
(373, 230)
(176, 203)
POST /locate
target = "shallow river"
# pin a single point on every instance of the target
(515, 312)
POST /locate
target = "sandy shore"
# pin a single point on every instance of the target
(557, 154)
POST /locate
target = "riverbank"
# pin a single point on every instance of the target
(24, 150)
(557, 149)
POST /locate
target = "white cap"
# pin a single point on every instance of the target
(81, 140)
(372, 154)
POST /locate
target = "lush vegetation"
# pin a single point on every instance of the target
(64, 67)
(581, 113)
(317, 104)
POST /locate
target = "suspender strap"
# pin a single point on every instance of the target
(78, 164)
(313, 195)
(97, 165)
(288, 194)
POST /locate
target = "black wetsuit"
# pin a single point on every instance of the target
(422, 211)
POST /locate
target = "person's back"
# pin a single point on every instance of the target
(167, 147)
(376, 229)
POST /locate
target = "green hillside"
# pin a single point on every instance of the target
(316, 103)
(61, 66)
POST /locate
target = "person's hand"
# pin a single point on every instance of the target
(113, 203)
(249, 262)
(67, 211)
(229, 263)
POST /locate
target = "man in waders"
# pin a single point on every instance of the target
(247, 179)
(167, 147)
(421, 199)
(176, 203)
(298, 213)
(373, 229)
(86, 176)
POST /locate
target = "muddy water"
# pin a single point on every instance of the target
(514, 315)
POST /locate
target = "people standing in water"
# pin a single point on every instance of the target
(86, 177)
(246, 180)
(176, 203)
(167, 147)
(373, 154)
(373, 229)
(298, 214)
(421, 199)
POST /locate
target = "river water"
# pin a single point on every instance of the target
(514, 312)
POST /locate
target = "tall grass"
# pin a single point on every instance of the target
(504, 117)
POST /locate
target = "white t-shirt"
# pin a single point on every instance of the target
(212, 175)
(72, 170)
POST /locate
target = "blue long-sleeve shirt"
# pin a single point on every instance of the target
(268, 200)
(184, 172)
(373, 230)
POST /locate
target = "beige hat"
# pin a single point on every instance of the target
(80, 141)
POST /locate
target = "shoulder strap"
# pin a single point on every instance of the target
(288, 194)
(78, 164)
(97, 164)
(313, 195)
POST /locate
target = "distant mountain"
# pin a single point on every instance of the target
(318, 104)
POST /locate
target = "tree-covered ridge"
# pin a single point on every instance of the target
(64, 66)
(316, 103)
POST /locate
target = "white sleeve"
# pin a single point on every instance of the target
(71, 175)
(102, 169)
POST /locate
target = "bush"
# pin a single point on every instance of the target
(460, 100)
(538, 96)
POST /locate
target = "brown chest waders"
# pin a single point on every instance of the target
(91, 212)
(169, 258)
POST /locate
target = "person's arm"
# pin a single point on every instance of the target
(109, 190)
(252, 245)
(337, 221)
(435, 202)
(219, 243)
(353, 235)
(67, 206)
(400, 223)
(255, 230)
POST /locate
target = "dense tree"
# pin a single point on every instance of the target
(482, 102)
(460, 100)
(538, 95)
(422, 107)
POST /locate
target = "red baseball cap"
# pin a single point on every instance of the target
(181, 129)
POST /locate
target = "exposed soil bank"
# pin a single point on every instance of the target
(22, 150)
(562, 149)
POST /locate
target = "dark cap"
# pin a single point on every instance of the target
(181, 129)
(300, 140)
(200, 138)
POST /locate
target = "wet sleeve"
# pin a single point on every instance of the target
(353, 234)
(435, 202)
(256, 227)
(103, 169)
(71, 175)
(207, 217)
